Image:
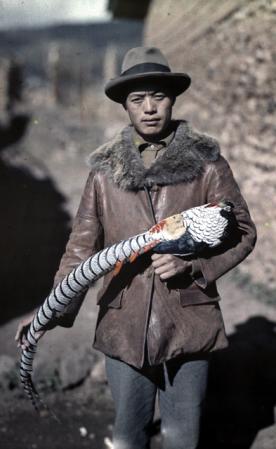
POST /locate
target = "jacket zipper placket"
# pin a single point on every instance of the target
(149, 200)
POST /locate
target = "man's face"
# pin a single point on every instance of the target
(150, 110)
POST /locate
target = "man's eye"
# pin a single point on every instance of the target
(159, 97)
(136, 100)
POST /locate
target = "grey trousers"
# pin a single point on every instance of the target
(181, 387)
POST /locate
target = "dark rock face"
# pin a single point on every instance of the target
(34, 229)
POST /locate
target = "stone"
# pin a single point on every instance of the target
(97, 373)
(265, 439)
(108, 443)
(83, 432)
(45, 375)
(75, 367)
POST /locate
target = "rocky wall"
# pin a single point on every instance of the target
(228, 48)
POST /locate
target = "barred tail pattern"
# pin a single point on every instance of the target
(69, 289)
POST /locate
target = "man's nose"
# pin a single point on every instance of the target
(149, 105)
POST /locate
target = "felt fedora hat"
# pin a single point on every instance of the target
(149, 64)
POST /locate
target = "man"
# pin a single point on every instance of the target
(159, 317)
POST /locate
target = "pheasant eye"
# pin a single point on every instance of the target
(230, 204)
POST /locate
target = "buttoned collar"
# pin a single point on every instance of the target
(141, 144)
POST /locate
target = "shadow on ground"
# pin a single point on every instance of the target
(242, 389)
(33, 230)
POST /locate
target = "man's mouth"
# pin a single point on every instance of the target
(151, 122)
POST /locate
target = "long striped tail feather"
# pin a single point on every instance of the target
(88, 272)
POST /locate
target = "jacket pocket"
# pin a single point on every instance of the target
(195, 296)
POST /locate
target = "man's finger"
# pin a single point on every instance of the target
(163, 260)
(167, 275)
(19, 331)
(25, 344)
(156, 256)
(17, 335)
(157, 263)
(164, 268)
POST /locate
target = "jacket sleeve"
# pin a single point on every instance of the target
(222, 185)
(85, 240)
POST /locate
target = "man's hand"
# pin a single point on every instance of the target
(22, 330)
(167, 265)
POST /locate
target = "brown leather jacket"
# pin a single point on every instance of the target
(137, 310)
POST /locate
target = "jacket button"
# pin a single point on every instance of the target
(149, 273)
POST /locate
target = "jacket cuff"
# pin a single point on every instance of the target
(197, 274)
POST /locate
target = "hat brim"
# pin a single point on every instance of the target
(118, 88)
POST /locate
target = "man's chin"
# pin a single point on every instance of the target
(150, 131)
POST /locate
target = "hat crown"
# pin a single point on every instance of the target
(144, 64)
(143, 55)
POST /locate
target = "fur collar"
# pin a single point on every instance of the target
(183, 161)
